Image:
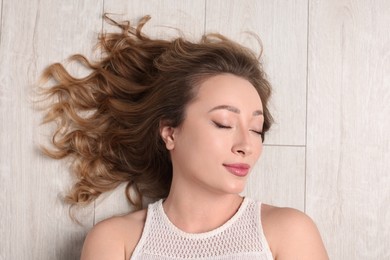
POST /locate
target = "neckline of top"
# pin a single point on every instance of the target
(206, 234)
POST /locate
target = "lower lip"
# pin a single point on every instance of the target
(238, 171)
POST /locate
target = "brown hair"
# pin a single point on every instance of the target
(108, 122)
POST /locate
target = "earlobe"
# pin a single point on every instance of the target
(167, 134)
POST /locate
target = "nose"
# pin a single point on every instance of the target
(242, 145)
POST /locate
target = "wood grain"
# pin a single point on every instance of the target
(170, 18)
(279, 177)
(34, 221)
(1, 20)
(348, 150)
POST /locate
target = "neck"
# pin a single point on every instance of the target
(195, 211)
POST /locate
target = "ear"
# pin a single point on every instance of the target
(167, 133)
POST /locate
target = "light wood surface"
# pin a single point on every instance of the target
(328, 153)
(1, 14)
(348, 156)
(276, 183)
(34, 222)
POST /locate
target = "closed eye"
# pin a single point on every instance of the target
(260, 134)
(221, 125)
(257, 132)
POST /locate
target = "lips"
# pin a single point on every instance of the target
(238, 169)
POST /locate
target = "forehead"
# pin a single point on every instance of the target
(228, 89)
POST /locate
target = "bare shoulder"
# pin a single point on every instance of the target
(291, 234)
(114, 238)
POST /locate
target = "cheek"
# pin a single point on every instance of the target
(259, 151)
(211, 149)
(212, 142)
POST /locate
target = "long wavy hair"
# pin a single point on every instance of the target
(108, 122)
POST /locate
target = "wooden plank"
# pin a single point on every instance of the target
(34, 221)
(282, 27)
(167, 16)
(1, 20)
(279, 177)
(348, 148)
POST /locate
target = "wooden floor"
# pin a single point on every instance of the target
(328, 153)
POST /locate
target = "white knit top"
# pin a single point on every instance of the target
(240, 238)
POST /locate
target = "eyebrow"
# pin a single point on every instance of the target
(234, 110)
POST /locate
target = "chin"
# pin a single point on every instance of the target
(235, 188)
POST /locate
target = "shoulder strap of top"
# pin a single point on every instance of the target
(149, 216)
(264, 241)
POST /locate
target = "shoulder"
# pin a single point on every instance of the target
(291, 234)
(114, 238)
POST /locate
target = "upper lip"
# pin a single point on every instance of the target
(237, 165)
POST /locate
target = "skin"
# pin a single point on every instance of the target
(221, 127)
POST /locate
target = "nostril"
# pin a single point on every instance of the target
(241, 152)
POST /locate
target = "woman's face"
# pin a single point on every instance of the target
(219, 140)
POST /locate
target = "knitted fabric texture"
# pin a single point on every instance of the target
(240, 238)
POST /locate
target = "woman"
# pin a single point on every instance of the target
(184, 123)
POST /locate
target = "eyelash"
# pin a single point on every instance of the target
(258, 132)
(229, 127)
(221, 126)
